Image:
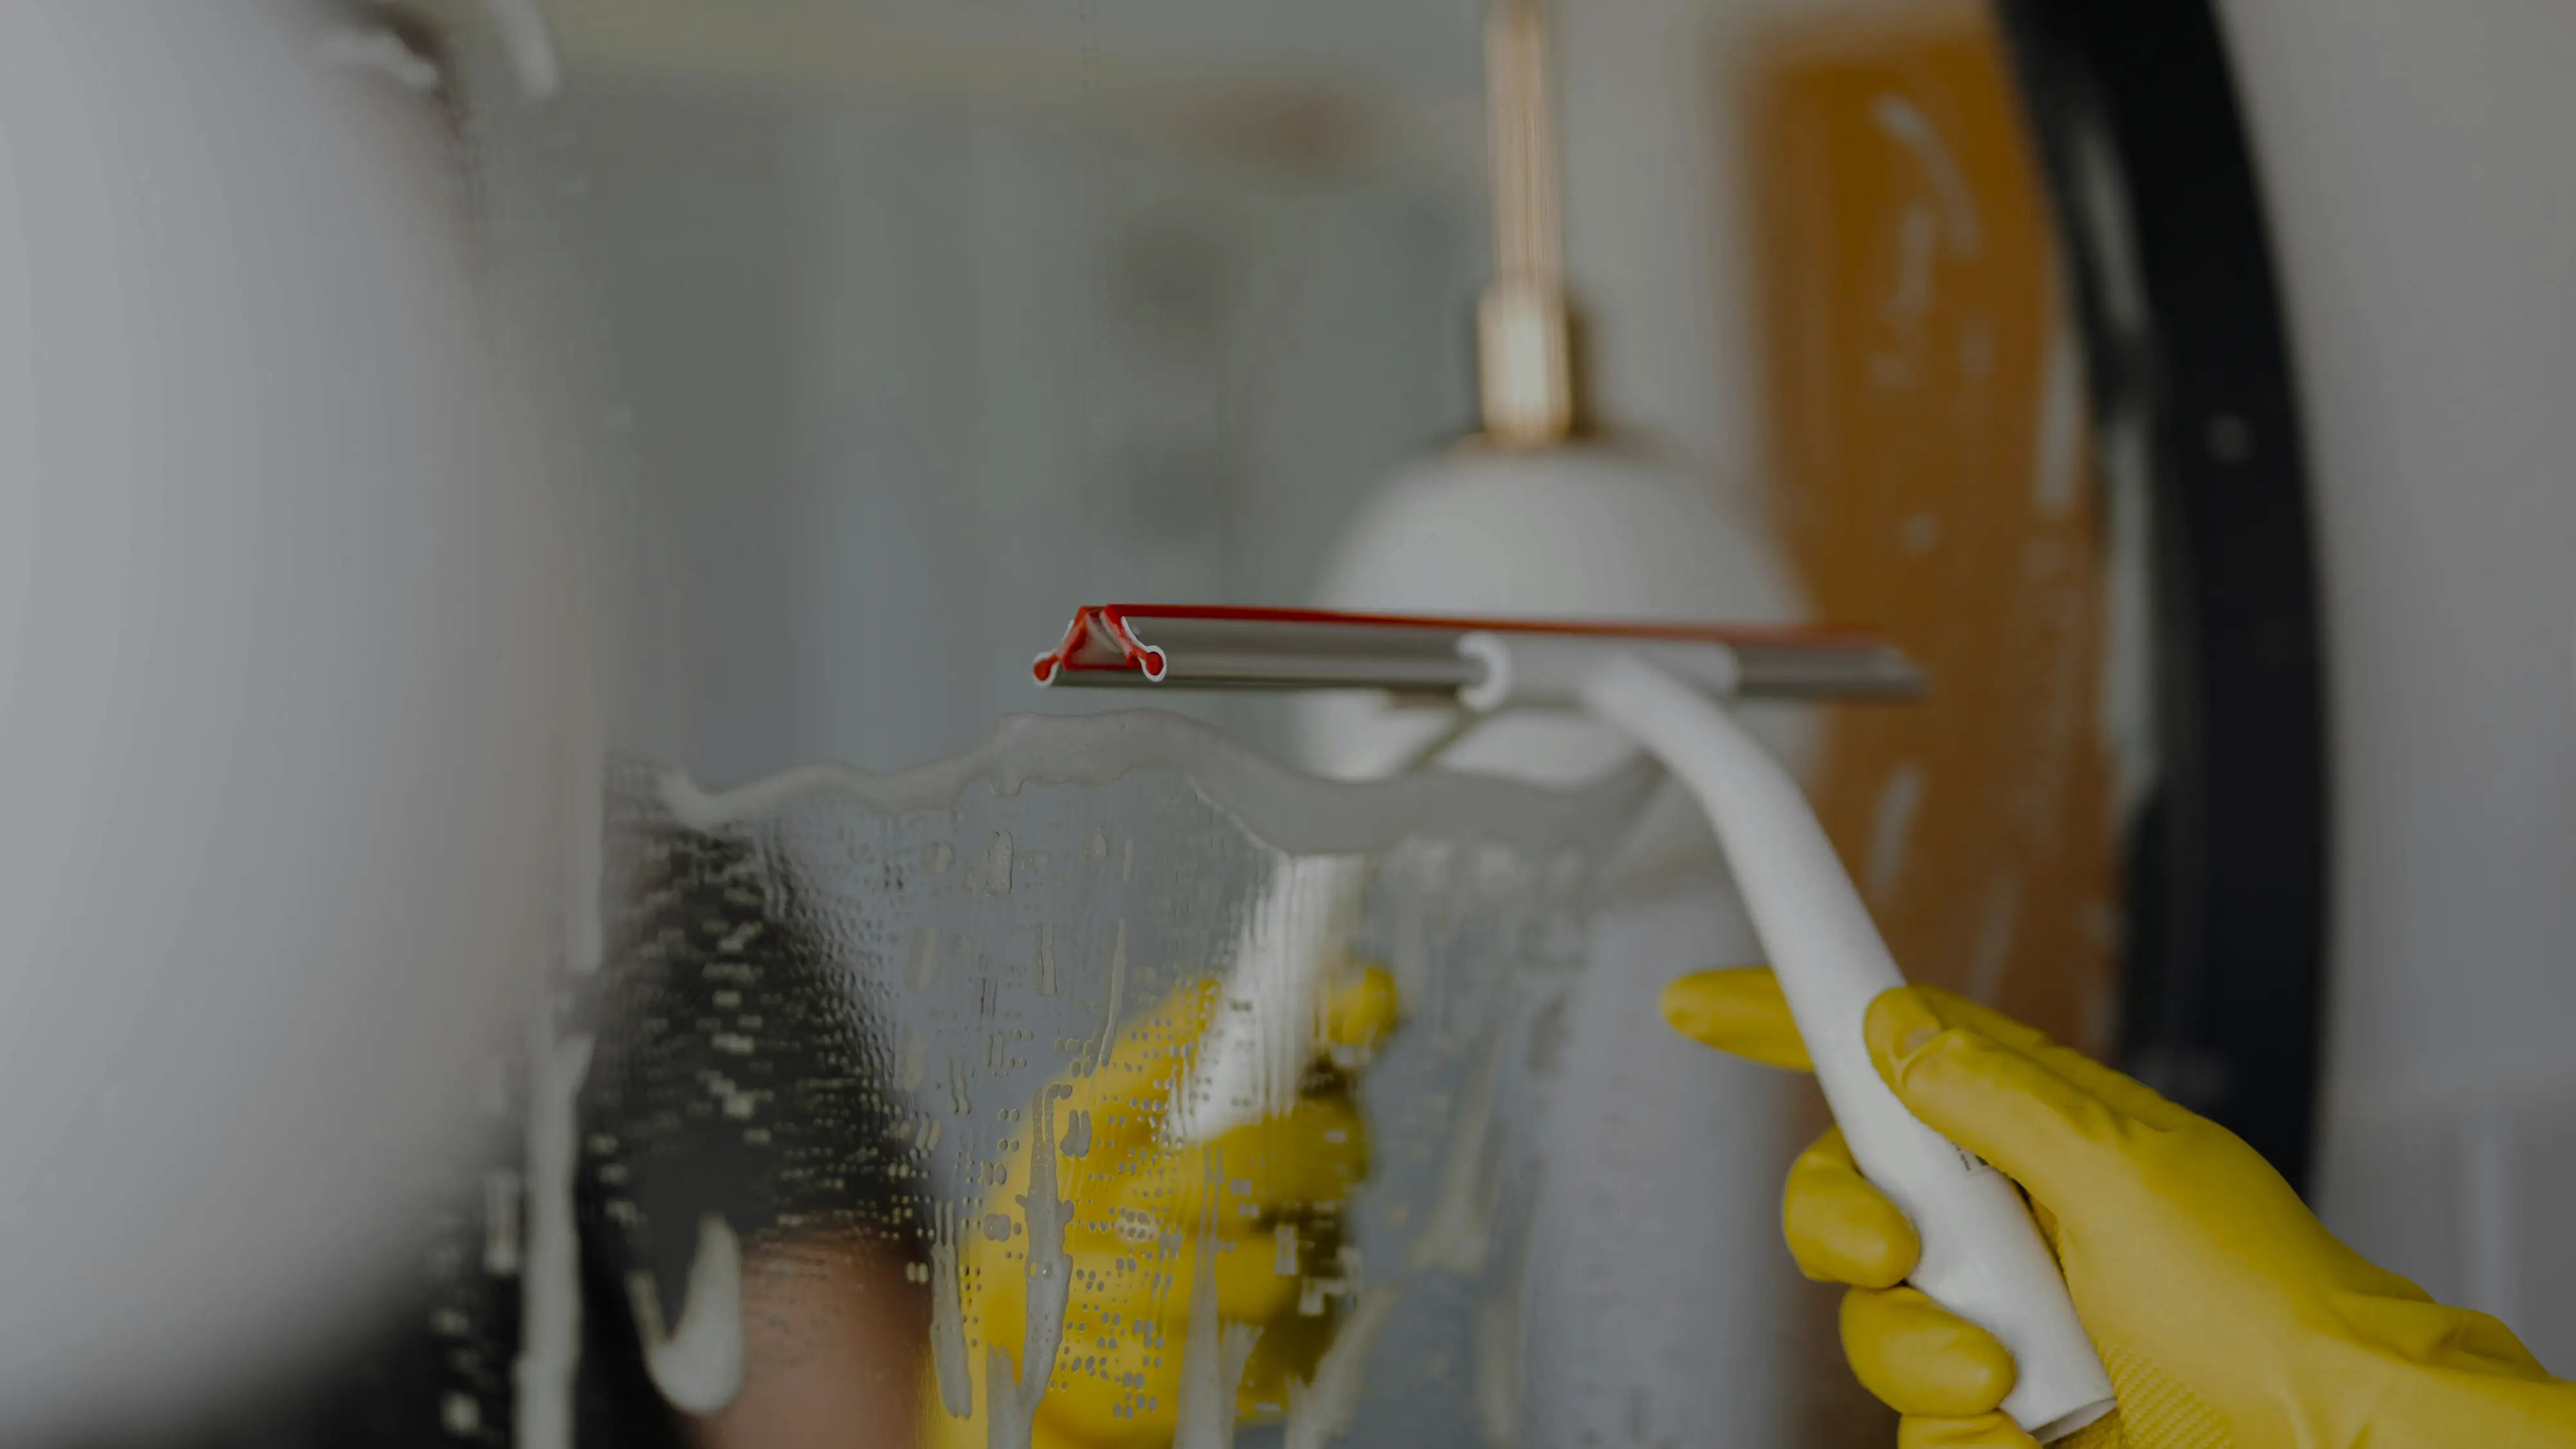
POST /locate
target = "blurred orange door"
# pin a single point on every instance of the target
(1928, 435)
(1929, 443)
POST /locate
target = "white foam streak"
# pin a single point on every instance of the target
(1212, 1360)
(1263, 1033)
(948, 1320)
(1011, 1407)
(1460, 1227)
(550, 1303)
(1321, 1411)
(699, 1365)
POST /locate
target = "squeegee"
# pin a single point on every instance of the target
(1663, 685)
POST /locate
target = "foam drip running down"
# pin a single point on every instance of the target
(1321, 1411)
(544, 1375)
(1213, 1357)
(948, 1320)
(1462, 1217)
(1011, 1407)
(550, 1320)
(698, 1365)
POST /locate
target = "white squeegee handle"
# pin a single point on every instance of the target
(1983, 1256)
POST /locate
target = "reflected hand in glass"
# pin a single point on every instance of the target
(1202, 1278)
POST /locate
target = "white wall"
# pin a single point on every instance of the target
(2419, 163)
(1654, 245)
(896, 382)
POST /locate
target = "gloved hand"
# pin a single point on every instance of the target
(1256, 1211)
(2229, 1318)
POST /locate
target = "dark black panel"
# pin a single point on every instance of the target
(2153, 185)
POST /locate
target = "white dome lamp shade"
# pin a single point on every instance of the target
(1530, 517)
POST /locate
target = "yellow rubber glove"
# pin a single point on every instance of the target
(1257, 1211)
(2228, 1316)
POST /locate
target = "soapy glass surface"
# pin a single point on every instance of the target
(1037, 964)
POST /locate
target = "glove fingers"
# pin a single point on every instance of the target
(1360, 1010)
(1122, 1096)
(2043, 1131)
(1312, 1156)
(1143, 1206)
(1983, 1431)
(2121, 1091)
(1739, 1011)
(1841, 1229)
(1920, 1358)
